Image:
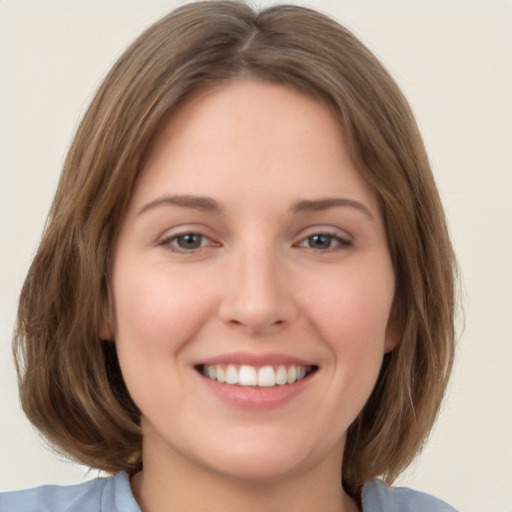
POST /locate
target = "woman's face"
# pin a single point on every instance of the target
(252, 251)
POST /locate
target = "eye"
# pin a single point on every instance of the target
(324, 242)
(187, 242)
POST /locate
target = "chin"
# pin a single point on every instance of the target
(259, 469)
(266, 458)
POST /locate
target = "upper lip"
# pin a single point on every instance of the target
(256, 360)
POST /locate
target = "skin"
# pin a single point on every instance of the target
(257, 281)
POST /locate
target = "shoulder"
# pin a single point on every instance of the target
(55, 498)
(99, 495)
(378, 497)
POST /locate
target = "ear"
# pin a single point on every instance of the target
(393, 331)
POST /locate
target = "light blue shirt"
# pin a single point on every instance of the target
(114, 495)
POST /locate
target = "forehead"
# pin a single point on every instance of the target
(250, 132)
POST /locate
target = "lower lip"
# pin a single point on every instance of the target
(256, 398)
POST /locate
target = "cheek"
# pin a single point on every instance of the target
(155, 308)
(353, 309)
(351, 312)
(142, 309)
(156, 314)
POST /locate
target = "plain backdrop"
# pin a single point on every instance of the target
(453, 60)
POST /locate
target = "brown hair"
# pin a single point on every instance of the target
(70, 382)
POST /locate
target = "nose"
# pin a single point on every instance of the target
(256, 296)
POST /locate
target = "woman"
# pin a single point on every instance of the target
(246, 283)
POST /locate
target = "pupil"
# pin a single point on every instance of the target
(189, 241)
(320, 241)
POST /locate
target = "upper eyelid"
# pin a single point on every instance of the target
(178, 235)
(169, 243)
(186, 229)
(344, 240)
(204, 231)
(172, 237)
(325, 230)
(341, 242)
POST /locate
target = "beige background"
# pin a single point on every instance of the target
(454, 61)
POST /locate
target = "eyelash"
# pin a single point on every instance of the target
(172, 242)
(339, 242)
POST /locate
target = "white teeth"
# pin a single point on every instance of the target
(221, 376)
(266, 376)
(246, 375)
(231, 375)
(282, 375)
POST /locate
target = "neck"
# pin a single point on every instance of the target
(179, 485)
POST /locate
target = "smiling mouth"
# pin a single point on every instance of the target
(263, 377)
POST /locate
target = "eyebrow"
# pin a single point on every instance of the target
(318, 205)
(205, 204)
